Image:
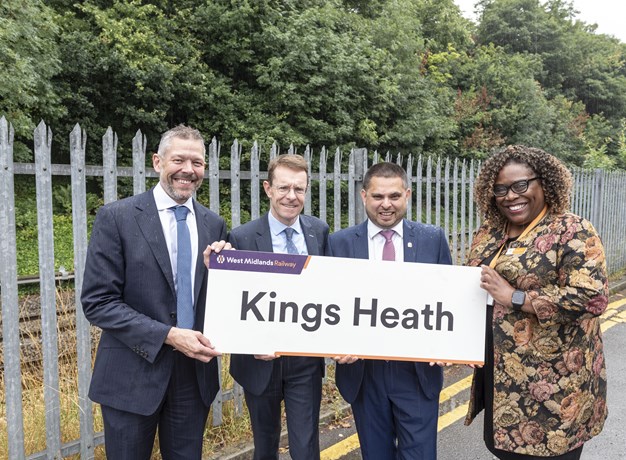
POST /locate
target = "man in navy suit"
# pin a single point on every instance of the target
(266, 379)
(150, 371)
(395, 403)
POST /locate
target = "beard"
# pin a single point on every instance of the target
(180, 195)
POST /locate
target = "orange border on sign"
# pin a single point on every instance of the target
(386, 358)
(308, 259)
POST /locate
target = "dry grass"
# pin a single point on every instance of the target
(32, 379)
(234, 430)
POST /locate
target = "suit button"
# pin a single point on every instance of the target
(173, 315)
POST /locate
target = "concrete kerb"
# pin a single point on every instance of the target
(246, 451)
(617, 285)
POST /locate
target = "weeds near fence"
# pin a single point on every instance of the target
(233, 431)
(31, 359)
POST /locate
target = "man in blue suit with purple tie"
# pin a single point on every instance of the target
(145, 287)
(395, 403)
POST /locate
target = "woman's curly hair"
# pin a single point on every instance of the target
(556, 180)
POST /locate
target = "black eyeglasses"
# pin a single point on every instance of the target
(518, 187)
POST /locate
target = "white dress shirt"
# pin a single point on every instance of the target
(279, 240)
(376, 241)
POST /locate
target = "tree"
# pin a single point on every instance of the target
(29, 58)
(575, 62)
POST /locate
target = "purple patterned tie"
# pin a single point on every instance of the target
(389, 251)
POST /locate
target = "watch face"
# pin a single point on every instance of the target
(518, 298)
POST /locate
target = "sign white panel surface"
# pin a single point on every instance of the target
(263, 303)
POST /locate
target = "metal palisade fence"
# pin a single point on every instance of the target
(442, 195)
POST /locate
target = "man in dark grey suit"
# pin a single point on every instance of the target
(266, 379)
(395, 404)
(145, 287)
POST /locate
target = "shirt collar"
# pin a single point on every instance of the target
(164, 201)
(373, 229)
(276, 227)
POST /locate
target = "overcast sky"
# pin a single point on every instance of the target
(609, 15)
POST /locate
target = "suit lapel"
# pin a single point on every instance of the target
(264, 237)
(361, 246)
(312, 245)
(147, 218)
(409, 240)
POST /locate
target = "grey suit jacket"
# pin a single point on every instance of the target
(128, 291)
(254, 374)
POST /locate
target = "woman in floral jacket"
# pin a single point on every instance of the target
(543, 386)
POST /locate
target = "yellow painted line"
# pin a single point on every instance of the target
(613, 308)
(617, 319)
(449, 418)
(455, 388)
(351, 443)
(459, 412)
(618, 303)
(338, 450)
(607, 325)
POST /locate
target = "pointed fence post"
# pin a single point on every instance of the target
(43, 170)
(8, 292)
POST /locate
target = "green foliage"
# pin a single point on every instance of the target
(120, 73)
(621, 145)
(576, 63)
(29, 58)
(391, 75)
(62, 200)
(401, 75)
(27, 243)
(26, 225)
(597, 138)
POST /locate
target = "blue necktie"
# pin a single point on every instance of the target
(184, 298)
(291, 247)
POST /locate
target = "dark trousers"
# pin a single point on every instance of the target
(180, 419)
(297, 381)
(394, 419)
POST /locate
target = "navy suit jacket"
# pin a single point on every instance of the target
(128, 291)
(251, 373)
(428, 245)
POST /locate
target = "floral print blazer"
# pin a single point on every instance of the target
(549, 371)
